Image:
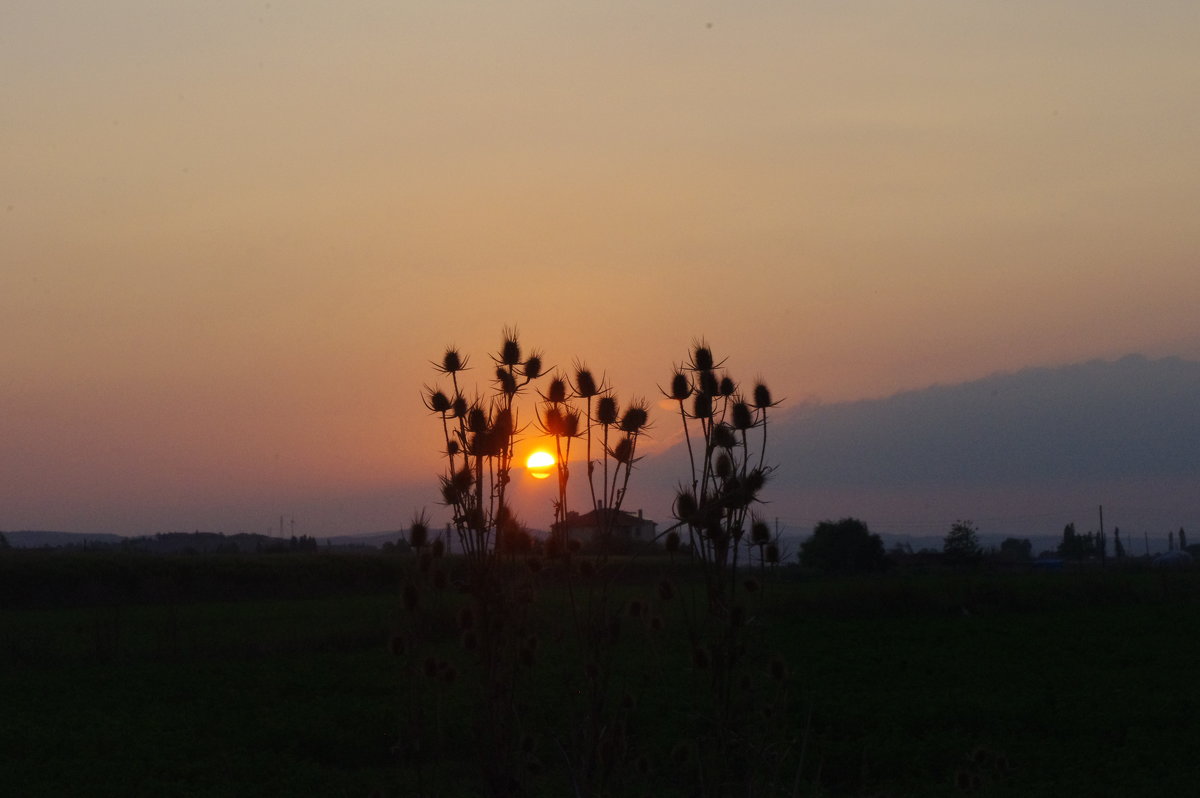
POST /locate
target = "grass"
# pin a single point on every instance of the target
(1015, 684)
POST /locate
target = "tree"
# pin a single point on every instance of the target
(1016, 550)
(961, 544)
(845, 546)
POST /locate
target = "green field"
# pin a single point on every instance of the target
(183, 676)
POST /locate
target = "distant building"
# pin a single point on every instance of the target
(594, 525)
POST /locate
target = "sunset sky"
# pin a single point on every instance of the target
(233, 235)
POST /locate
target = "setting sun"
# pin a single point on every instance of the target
(539, 464)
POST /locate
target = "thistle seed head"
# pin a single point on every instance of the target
(570, 427)
(762, 396)
(709, 383)
(533, 366)
(439, 547)
(510, 350)
(635, 417)
(702, 357)
(460, 407)
(685, 505)
(477, 420)
(606, 410)
(743, 417)
(557, 392)
(623, 451)
(760, 533)
(672, 541)
(437, 401)
(585, 383)
(727, 387)
(702, 406)
(418, 533)
(724, 465)
(723, 437)
(506, 381)
(452, 361)
(681, 386)
(552, 422)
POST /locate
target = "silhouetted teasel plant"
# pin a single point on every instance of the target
(726, 436)
(725, 430)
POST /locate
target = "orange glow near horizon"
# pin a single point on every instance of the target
(540, 463)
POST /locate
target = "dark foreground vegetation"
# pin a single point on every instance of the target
(303, 675)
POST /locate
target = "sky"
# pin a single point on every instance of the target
(233, 235)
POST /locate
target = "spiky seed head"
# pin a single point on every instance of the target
(771, 552)
(755, 480)
(585, 383)
(709, 383)
(452, 448)
(571, 424)
(438, 402)
(724, 465)
(685, 505)
(553, 421)
(606, 410)
(623, 451)
(463, 479)
(439, 547)
(723, 437)
(681, 386)
(460, 407)
(418, 534)
(452, 361)
(656, 623)
(672, 541)
(635, 418)
(449, 492)
(702, 406)
(726, 387)
(506, 382)
(533, 367)
(762, 396)
(557, 392)
(477, 420)
(503, 425)
(760, 533)
(743, 417)
(510, 350)
(702, 357)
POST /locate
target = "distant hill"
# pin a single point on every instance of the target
(1021, 453)
(34, 539)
